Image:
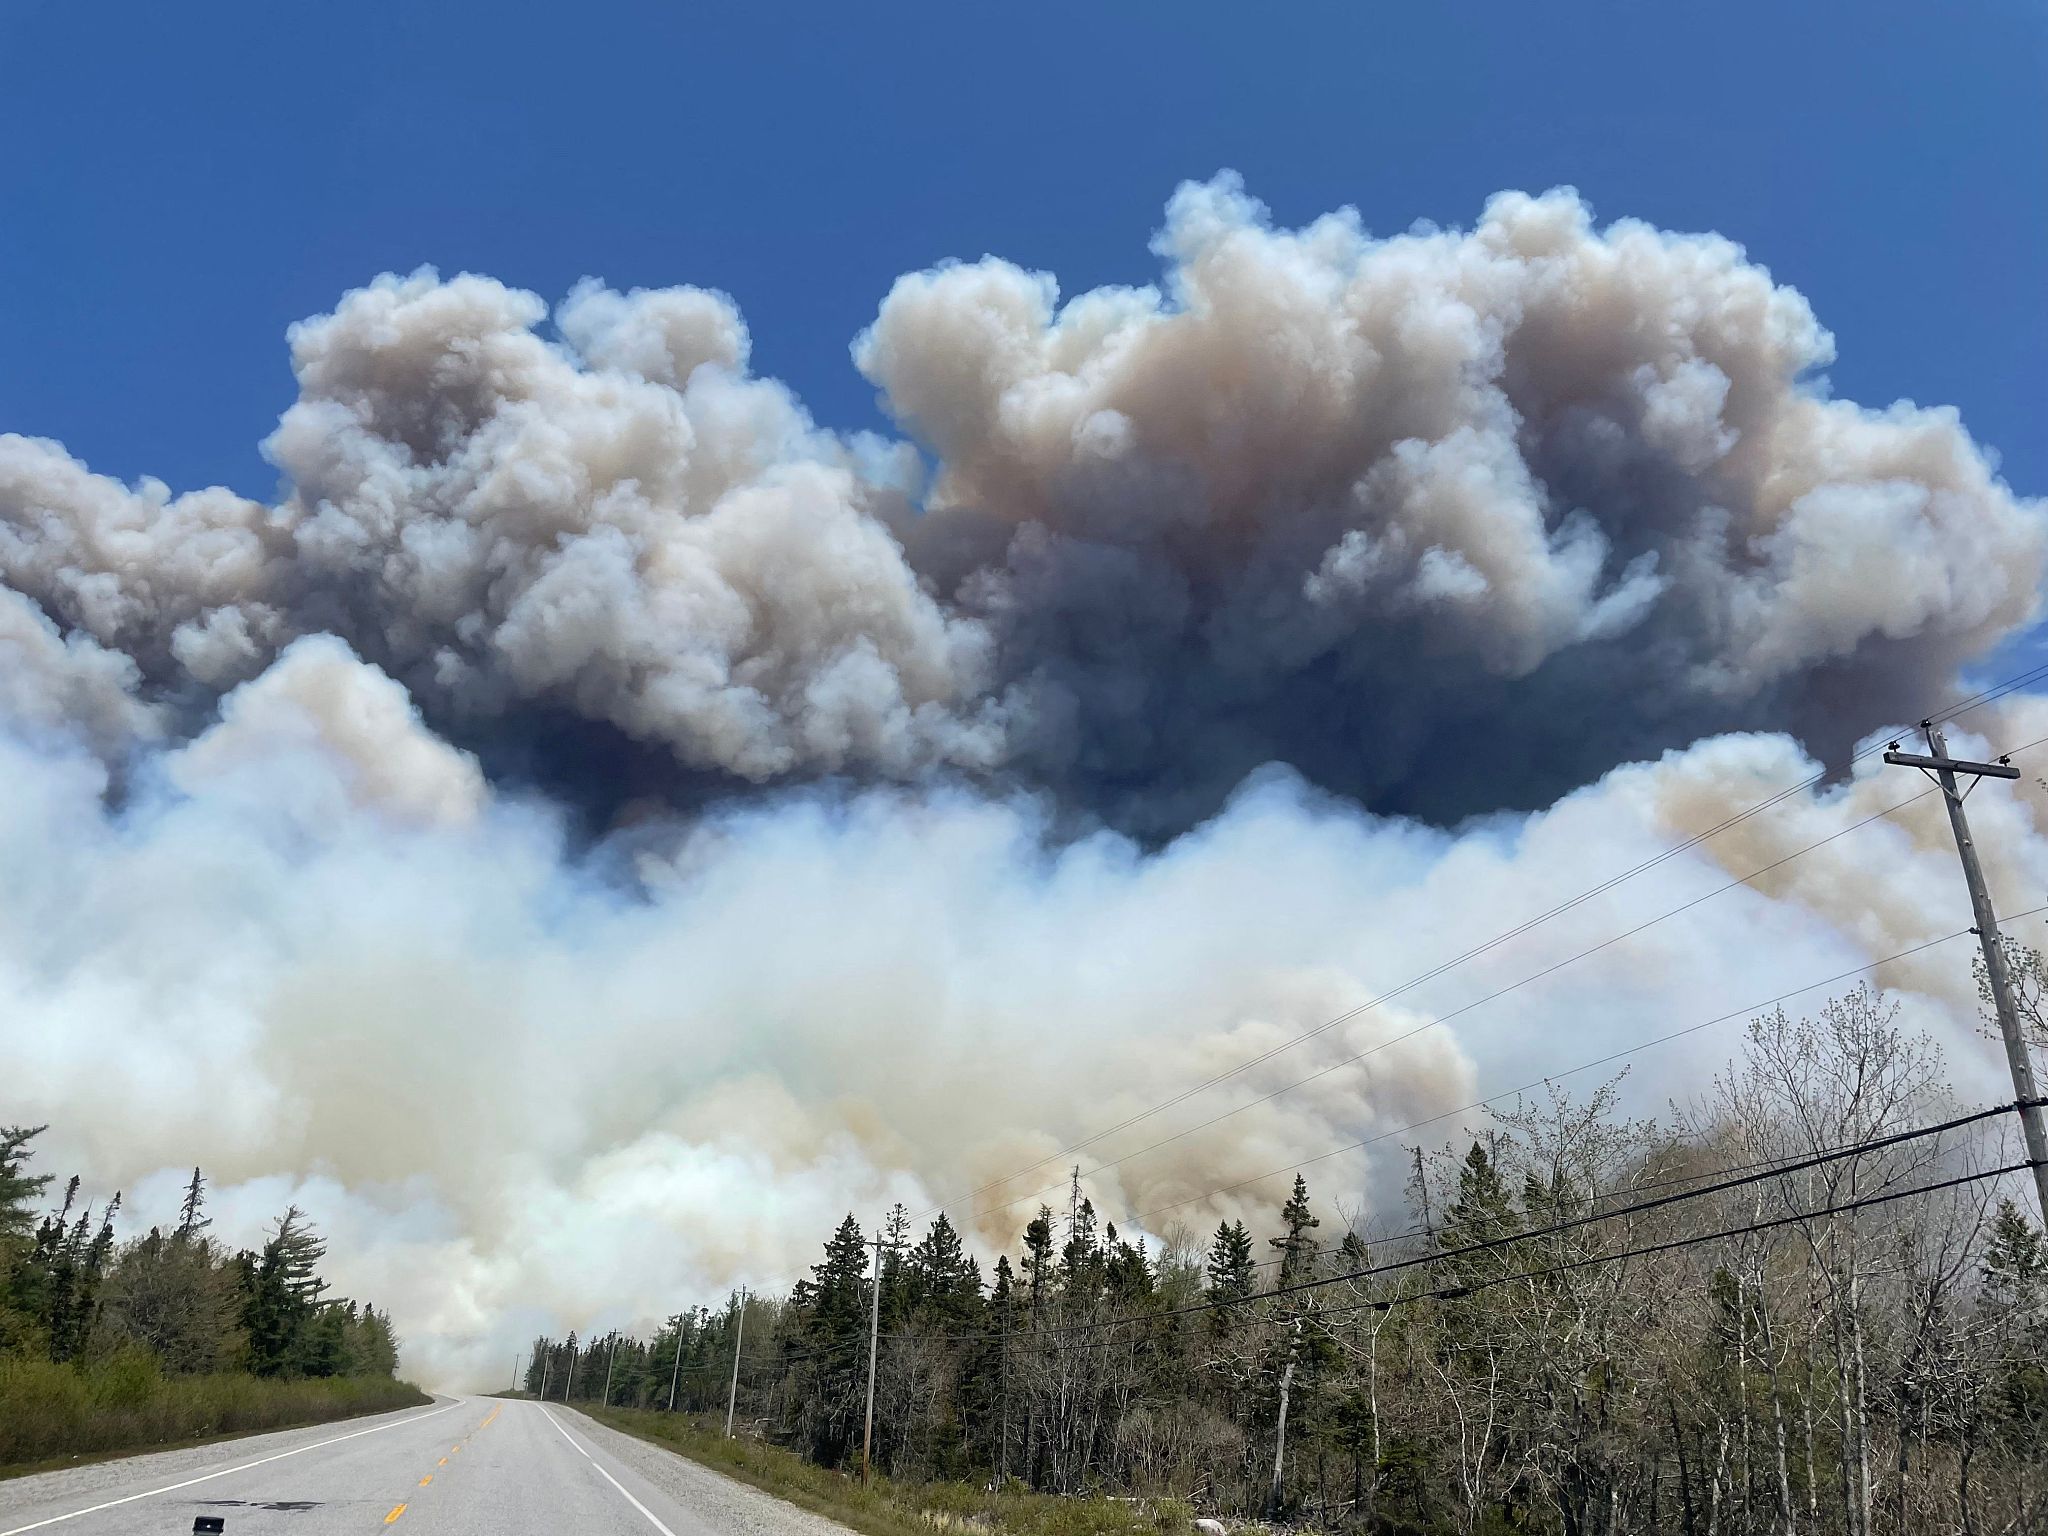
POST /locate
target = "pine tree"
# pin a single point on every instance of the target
(834, 1326)
(281, 1290)
(19, 1191)
(941, 1281)
(20, 1283)
(1231, 1271)
(896, 1297)
(191, 1218)
(1297, 1248)
(1353, 1254)
(1038, 1275)
(2015, 1265)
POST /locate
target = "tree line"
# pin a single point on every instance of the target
(1739, 1318)
(72, 1294)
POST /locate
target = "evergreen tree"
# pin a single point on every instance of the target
(942, 1282)
(1297, 1248)
(192, 1219)
(2015, 1265)
(19, 1190)
(828, 1377)
(1038, 1262)
(281, 1289)
(1231, 1272)
(20, 1309)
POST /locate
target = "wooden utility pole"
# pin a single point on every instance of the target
(547, 1366)
(515, 1370)
(867, 1434)
(1942, 768)
(732, 1395)
(676, 1372)
(570, 1386)
(610, 1360)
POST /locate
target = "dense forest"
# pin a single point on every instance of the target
(1810, 1300)
(171, 1334)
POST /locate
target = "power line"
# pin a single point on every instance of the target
(1768, 1164)
(1984, 696)
(1515, 1239)
(1445, 1018)
(1958, 708)
(1585, 1066)
(1486, 1282)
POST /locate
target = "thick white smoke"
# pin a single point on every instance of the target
(930, 886)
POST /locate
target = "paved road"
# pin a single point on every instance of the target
(463, 1467)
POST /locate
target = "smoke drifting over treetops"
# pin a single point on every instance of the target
(970, 842)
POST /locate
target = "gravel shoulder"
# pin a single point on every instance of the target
(723, 1503)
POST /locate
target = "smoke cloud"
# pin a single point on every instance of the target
(597, 826)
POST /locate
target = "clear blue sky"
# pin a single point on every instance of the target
(181, 182)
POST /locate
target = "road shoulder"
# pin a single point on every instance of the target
(722, 1502)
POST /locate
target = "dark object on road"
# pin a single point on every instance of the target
(209, 1523)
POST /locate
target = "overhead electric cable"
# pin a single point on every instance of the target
(1949, 712)
(1515, 1239)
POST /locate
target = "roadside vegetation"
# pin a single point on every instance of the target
(893, 1507)
(170, 1337)
(1582, 1322)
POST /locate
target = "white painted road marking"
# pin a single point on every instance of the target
(652, 1519)
(260, 1461)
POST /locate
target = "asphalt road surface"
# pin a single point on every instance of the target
(462, 1467)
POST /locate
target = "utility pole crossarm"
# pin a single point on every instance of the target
(1998, 770)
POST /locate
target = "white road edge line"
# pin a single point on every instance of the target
(652, 1519)
(228, 1471)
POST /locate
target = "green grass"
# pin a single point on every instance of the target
(57, 1414)
(889, 1508)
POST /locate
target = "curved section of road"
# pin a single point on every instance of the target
(464, 1467)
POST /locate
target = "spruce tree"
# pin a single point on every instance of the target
(1231, 1272)
(1297, 1248)
(192, 1219)
(19, 1190)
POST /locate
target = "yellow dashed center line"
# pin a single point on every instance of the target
(394, 1514)
(442, 1462)
(426, 1480)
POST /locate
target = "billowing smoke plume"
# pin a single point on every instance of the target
(1446, 522)
(944, 818)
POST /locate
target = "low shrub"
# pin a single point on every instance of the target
(123, 1403)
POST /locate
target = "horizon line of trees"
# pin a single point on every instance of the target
(72, 1294)
(1864, 1372)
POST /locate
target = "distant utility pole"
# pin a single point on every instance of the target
(1942, 768)
(677, 1370)
(547, 1366)
(571, 1386)
(739, 1337)
(610, 1360)
(515, 1371)
(867, 1434)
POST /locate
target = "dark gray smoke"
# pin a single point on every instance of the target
(1448, 522)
